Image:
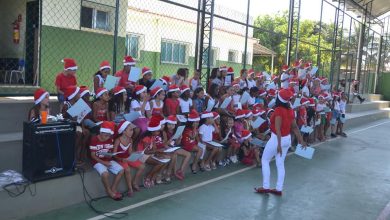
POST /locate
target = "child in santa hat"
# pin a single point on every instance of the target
(140, 103)
(157, 103)
(118, 105)
(41, 103)
(172, 103)
(101, 75)
(100, 106)
(230, 140)
(65, 79)
(205, 136)
(249, 154)
(101, 146)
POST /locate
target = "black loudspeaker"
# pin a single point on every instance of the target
(48, 150)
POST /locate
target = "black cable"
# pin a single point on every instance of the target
(89, 200)
(20, 188)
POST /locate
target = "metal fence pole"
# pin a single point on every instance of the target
(246, 35)
(378, 63)
(290, 30)
(319, 36)
(115, 37)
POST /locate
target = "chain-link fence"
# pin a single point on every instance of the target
(167, 35)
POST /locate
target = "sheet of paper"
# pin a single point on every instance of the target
(201, 145)
(111, 82)
(157, 83)
(225, 140)
(317, 122)
(109, 154)
(313, 70)
(179, 132)
(342, 119)
(80, 109)
(267, 76)
(302, 73)
(181, 118)
(272, 103)
(327, 109)
(258, 122)
(244, 98)
(135, 156)
(297, 103)
(215, 144)
(171, 149)
(162, 160)
(135, 72)
(225, 102)
(131, 116)
(257, 142)
(325, 87)
(305, 153)
(210, 105)
(307, 129)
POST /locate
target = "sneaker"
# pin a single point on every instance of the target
(362, 100)
(222, 163)
(207, 168)
(231, 158)
(235, 159)
(213, 166)
(227, 161)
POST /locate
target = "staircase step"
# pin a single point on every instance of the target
(373, 97)
(361, 118)
(367, 106)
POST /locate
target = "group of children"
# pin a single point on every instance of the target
(221, 116)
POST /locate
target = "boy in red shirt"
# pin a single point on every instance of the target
(123, 74)
(66, 78)
(101, 145)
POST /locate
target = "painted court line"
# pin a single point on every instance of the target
(386, 211)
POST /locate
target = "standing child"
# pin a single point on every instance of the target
(172, 104)
(190, 141)
(206, 135)
(65, 79)
(343, 105)
(140, 104)
(157, 102)
(100, 145)
(336, 113)
(185, 100)
(124, 144)
(321, 116)
(100, 106)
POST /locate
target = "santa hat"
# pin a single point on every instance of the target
(69, 64)
(154, 123)
(259, 75)
(104, 65)
(207, 115)
(269, 111)
(107, 127)
(100, 92)
(146, 70)
(171, 119)
(324, 80)
(312, 102)
(240, 113)
(296, 64)
(245, 134)
(155, 91)
(305, 101)
(39, 95)
(307, 65)
(236, 84)
(84, 90)
(248, 113)
(336, 94)
(230, 70)
(139, 89)
(166, 80)
(272, 93)
(285, 68)
(193, 116)
(251, 72)
(274, 77)
(173, 88)
(118, 90)
(128, 61)
(262, 92)
(223, 68)
(184, 88)
(123, 125)
(321, 96)
(285, 95)
(70, 92)
(215, 115)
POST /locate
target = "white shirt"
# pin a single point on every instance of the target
(185, 105)
(272, 85)
(305, 91)
(243, 84)
(336, 106)
(206, 132)
(136, 104)
(284, 80)
(194, 84)
(251, 83)
(320, 107)
(343, 105)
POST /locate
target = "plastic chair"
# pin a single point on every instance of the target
(20, 71)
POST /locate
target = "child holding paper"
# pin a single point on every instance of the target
(190, 141)
(140, 104)
(101, 75)
(185, 100)
(217, 137)
(172, 104)
(213, 97)
(199, 100)
(248, 152)
(118, 104)
(239, 123)
(157, 103)
(99, 146)
(123, 144)
(231, 140)
(206, 135)
(168, 133)
(321, 118)
(100, 106)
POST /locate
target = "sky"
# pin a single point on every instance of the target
(310, 9)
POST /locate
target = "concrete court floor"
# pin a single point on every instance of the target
(348, 179)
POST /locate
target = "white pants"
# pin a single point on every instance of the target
(269, 152)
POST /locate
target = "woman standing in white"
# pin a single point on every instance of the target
(282, 123)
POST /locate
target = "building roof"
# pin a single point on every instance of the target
(260, 50)
(378, 7)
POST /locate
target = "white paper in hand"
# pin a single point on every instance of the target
(244, 98)
(307, 129)
(215, 144)
(228, 80)
(257, 142)
(157, 83)
(301, 73)
(225, 102)
(162, 160)
(210, 105)
(135, 72)
(111, 82)
(267, 76)
(171, 149)
(297, 103)
(179, 132)
(181, 118)
(272, 103)
(305, 153)
(313, 70)
(135, 156)
(258, 122)
(80, 109)
(131, 116)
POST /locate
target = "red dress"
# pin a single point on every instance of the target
(171, 106)
(188, 140)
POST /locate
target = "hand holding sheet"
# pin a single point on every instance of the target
(80, 109)
(135, 72)
(307, 152)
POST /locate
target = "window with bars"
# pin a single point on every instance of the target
(174, 52)
(133, 45)
(94, 19)
(232, 56)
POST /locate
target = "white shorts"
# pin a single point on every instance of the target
(114, 168)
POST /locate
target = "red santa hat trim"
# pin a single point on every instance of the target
(146, 70)
(84, 90)
(193, 116)
(230, 70)
(155, 91)
(173, 88)
(154, 123)
(240, 114)
(207, 115)
(245, 134)
(123, 126)
(184, 88)
(71, 92)
(171, 119)
(118, 90)
(223, 68)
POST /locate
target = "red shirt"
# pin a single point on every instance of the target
(302, 115)
(171, 105)
(124, 78)
(97, 147)
(287, 116)
(146, 142)
(63, 81)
